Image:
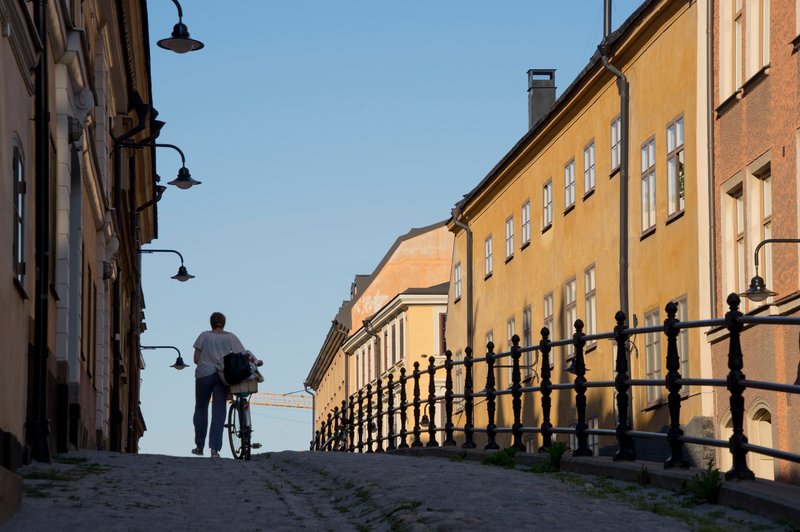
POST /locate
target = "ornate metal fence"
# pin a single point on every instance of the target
(346, 426)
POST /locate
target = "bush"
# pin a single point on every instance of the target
(554, 454)
(504, 458)
(705, 486)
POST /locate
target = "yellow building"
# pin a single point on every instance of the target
(545, 226)
(381, 323)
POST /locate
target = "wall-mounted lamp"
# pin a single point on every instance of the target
(179, 364)
(183, 275)
(758, 290)
(184, 179)
(180, 42)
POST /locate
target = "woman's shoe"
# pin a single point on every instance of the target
(214, 453)
(197, 451)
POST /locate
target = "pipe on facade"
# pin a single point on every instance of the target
(456, 213)
(623, 86)
(712, 225)
(37, 429)
(313, 411)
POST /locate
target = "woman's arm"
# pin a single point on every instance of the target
(196, 355)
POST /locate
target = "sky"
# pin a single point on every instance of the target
(321, 131)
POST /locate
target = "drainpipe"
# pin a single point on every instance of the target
(712, 226)
(37, 429)
(624, 98)
(368, 329)
(456, 213)
(313, 411)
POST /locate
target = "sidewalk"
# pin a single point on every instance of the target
(341, 491)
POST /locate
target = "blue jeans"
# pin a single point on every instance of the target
(204, 387)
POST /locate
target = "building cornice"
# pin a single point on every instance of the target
(19, 29)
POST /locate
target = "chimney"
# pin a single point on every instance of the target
(541, 93)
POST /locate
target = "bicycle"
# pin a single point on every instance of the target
(240, 428)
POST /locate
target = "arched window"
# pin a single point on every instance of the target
(760, 433)
(18, 173)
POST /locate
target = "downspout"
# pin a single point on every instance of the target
(313, 412)
(37, 429)
(712, 225)
(456, 213)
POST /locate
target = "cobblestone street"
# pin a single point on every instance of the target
(89, 490)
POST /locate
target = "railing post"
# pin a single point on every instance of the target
(335, 424)
(316, 440)
(469, 404)
(739, 469)
(390, 412)
(351, 427)
(516, 395)
(328, 435)
(370, 423)
(490, 399)
(431, 404)
(343, 413)
(379, 416)
(403, 406)
(547, 426)
(448, 400)
(417, 441)
(626, 450)
(360, 421)
(580, 392)
(674, 397)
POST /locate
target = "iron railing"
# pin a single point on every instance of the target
(346, 426)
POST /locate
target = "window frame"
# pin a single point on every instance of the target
(548, 320)
(488, 257)
(648, 183)
(547, 205)
(457, 282)
(527, 338)
(570, 313)
(569, 185)
(509, 238)
(589, 173)
(676, 168)
(19, 239)
(590, 301)
(653, 365)
(526, 223)
(615, 144)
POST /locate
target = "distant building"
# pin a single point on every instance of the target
(756, 178)
(381, 326)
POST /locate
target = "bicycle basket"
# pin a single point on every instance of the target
(235, 367)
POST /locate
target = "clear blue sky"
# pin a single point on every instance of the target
(321, 132)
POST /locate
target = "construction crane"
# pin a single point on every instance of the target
(286, 400)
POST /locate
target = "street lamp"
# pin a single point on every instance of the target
(184, 179)
(179, 364)
(183, 275)
(180, 42)
(758, 290)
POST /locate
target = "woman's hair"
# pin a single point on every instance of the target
(217, 320)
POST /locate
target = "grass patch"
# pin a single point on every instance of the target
(706, 485)
(554, 454)
(73, 460)
(504, 458)
(50, 474)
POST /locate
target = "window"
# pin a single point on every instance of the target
(683, 340)
(511, 330)
(616, 141)
(588, 168)
(18, 171)
(489, 338)
(547, 205)
(757, 27)
(738, 36)
(649, 185)
(385, 352)
(526, 222)
(590, 299)
(592, 440)
(571, 313)
(442, 337)
(402, 340)
(510, 238)
(487, 260)
(675, 167)
(527, 340)
(458, 371)
(457, 281)
(394, 345)
(765, 186)
(652, 349)
(569, 185)
(547, 310)
(738, 229)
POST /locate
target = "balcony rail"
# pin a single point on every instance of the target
(358, 425)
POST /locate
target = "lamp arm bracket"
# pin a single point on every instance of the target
(162, 251)
(770, 241)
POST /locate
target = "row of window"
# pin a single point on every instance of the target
(675, 192)
(369, 367)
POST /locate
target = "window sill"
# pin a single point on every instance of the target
(20, 289)
(547, 228)
(755, 80)
(525, 245)
(588, 195)
(487, 276)
(569, 209)
(795, 44)
(647, 233)
(614, 171)
(654, 405)
(675, 216)
(728, 103)
(509, 258)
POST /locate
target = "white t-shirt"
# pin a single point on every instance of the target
(213, 346)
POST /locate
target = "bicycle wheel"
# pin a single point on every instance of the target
(246, 430)
(234, 430)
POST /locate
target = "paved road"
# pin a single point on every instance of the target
(92, 490)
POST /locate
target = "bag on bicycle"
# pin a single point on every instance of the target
(236, 367)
